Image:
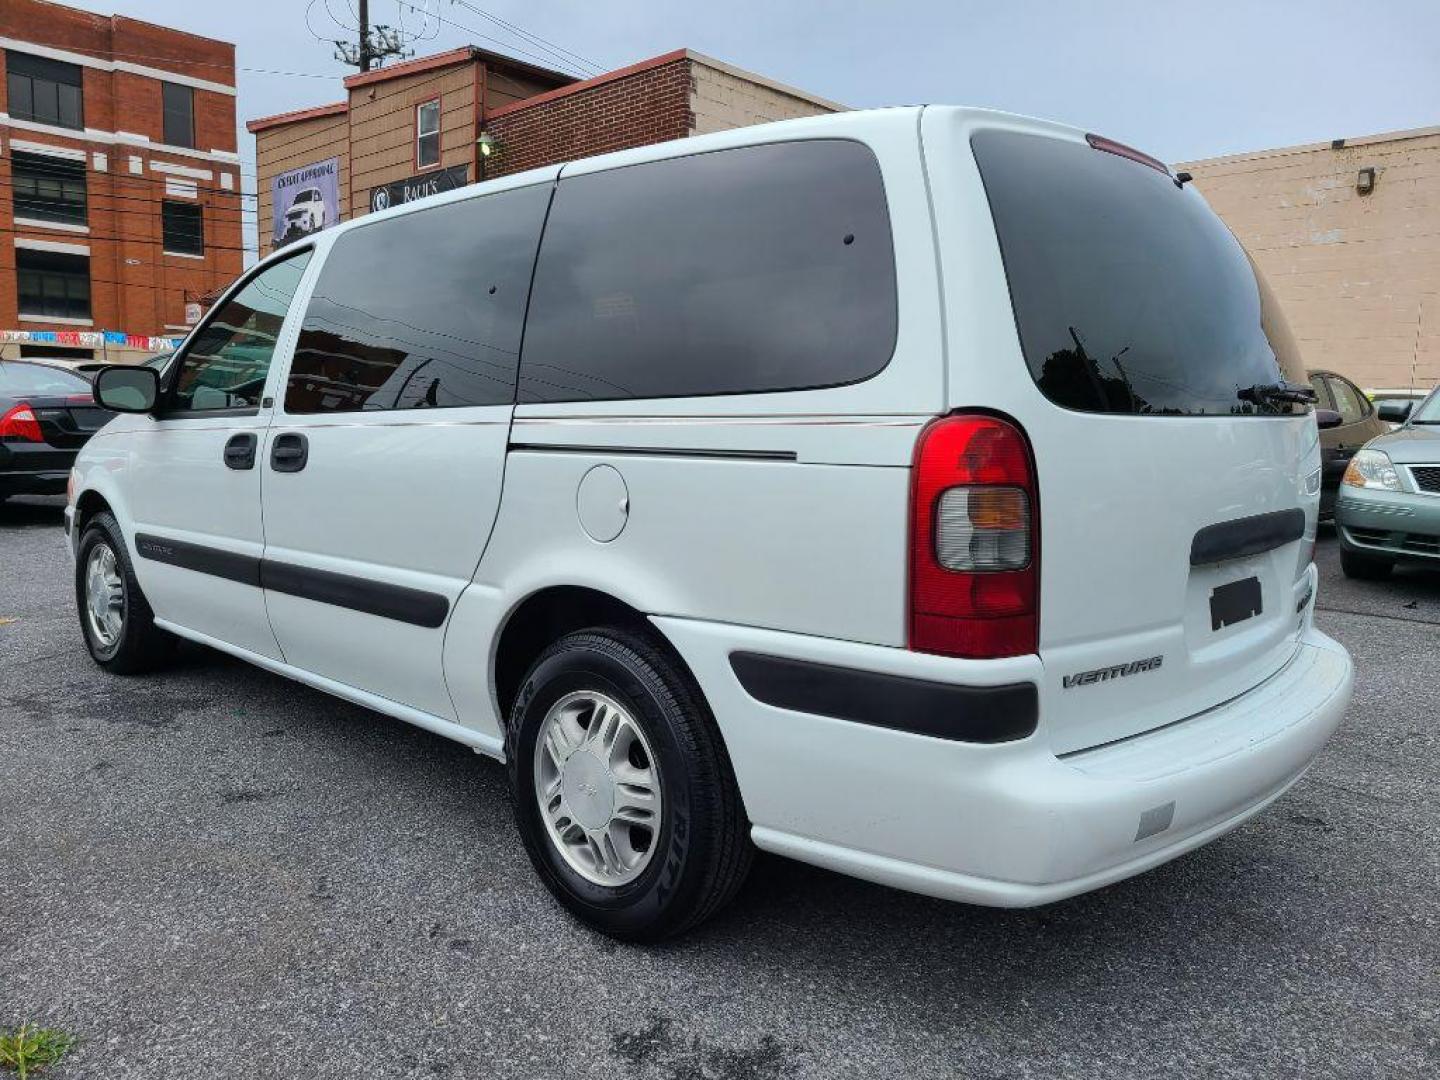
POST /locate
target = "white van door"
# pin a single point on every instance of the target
(384, 462)
(193, 486)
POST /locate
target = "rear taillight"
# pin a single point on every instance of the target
(20, 425)
(974, 540)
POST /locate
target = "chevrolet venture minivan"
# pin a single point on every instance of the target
(925, 494)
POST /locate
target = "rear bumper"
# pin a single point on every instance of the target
(34, 469)
(1008, 824)
(1393, 524)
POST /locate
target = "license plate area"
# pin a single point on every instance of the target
(1235, 602)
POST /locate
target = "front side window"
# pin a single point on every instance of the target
(421, 311)
(48, 188)
(225, 362)
(1350, 403)
(427, 134)
(44, 91)
(759, 269)
(182, 228)
(53, 284)
(1130, 296)
(178, 104)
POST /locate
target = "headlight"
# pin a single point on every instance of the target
(1372, 469)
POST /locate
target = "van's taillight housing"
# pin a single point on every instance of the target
(974, 540)
(20, 425)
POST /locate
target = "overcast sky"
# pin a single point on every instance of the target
(1179, 80)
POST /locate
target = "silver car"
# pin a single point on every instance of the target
(1388, 510)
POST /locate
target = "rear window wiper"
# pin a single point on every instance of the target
(1278, 392)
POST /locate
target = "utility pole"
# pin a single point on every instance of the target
(373, 46)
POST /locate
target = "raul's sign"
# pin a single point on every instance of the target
(418, 187)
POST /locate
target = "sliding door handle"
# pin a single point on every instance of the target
(289, 452)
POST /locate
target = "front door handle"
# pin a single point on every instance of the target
(240, 451)
(289, 452)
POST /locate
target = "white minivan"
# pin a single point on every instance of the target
(928, 494)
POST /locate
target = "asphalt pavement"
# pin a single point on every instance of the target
(219, 873)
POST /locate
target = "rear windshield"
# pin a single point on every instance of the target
(40, 381)
(1130, 295)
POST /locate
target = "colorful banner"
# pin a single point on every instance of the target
(304, 201)
(90, 339)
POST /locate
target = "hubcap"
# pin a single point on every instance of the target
(104, 596)
(598, 786)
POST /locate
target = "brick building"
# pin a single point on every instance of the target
(416, 128)
(119, 181)
(1348, 234)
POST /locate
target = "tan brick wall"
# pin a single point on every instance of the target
(725, 98)
(305, 142)
(1359, 276)
(382, 127)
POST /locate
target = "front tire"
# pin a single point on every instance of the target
(623, 793)
(115, 618)
(1364, 567)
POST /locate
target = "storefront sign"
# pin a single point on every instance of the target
(305, 200)
(417, 187)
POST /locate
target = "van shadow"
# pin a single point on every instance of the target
(814, 931)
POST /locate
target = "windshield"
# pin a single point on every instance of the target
(1428, 411)
(19, 380)
(1130, 295)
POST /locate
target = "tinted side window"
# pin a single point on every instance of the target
(1322, 392)
(757, 269)
(422, 310)
(225, 363)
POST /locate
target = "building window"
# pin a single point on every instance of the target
(182, 228)
(48, 188)
(52, 284)
(427, 134)
(44, 91)
(178, 105)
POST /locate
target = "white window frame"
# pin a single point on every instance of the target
(421, 133)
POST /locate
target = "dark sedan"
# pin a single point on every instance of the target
(46, 415)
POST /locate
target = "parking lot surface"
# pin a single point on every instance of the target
(216, 872)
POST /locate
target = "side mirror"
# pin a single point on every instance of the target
(1395, 412)
(127, 389)
(1327, 418)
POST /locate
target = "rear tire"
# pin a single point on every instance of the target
(642, 834)
(115, 618)
(1364, 567)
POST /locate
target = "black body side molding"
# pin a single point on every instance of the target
(205, 560)
(1246, 536)
(977, 714)
(414, 606)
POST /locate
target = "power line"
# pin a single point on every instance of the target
(550, 46)
(508, 46)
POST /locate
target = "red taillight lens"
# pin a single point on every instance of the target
(20, 425)
(1110, 146)
(974, 540)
